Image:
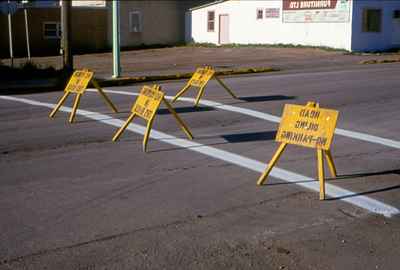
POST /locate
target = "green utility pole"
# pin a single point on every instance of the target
(10, 36)
(68, 61)
(28, 49)
(116, 38)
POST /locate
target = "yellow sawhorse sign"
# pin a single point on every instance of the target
(146, 106)
(77, 85)
(308, 126)
(200, 79)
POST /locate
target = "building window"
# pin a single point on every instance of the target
(259, 14)
(135, 22)
(396, 14)
(211, 21)
(372, 20)
(51, 30)
(272, 13)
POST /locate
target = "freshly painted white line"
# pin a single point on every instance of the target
(276, 119)
(365, 202)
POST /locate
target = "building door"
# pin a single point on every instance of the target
(224, 29)
(396, 31)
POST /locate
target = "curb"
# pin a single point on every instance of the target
(57, 84)
(383, 61)
(177, 76)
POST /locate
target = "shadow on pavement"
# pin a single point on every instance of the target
(365, 193)
(340, 177)
(266, 98)
(230, 138)
(348, 176)
(250, 137)
(186, 110)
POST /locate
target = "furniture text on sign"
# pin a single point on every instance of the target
(146, 106)
(316, 11)
(77, 84)
(200, 79)
(307, 126)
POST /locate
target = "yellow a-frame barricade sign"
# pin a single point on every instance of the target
(145, 107)
(200, 79)
(308, 126)
(78, 84)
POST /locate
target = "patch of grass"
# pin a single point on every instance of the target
(280, 45)
(381, 52)
(179, 76)
(29, 70)
(383, 61)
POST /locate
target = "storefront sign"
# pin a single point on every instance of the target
(315, 11)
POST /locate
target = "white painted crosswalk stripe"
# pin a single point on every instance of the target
(361, 201)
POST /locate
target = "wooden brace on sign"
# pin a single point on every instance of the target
(200, 79)
(317, 133)
(78, 83)
(146, 106)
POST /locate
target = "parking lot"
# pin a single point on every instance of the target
(70, 198)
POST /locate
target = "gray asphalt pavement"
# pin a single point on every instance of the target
(70, 198)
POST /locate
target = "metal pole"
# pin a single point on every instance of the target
(116, 38)
(10, 35)
(27, 34)
(66, 7)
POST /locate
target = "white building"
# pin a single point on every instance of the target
(353, 25)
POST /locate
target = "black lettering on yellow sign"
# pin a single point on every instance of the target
(77, 85)
(308, 126)
(307, 113)
(146, 106)
(200, 79)
(301, 138)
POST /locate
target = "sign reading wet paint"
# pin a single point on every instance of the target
(146, 106)
(200, 79)
(147, 103)
(307, 126)
(79, 81)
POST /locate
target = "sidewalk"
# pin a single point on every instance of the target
(177, 60)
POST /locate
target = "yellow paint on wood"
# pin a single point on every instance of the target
(79, 81)
(148, 101)
(307, 126)
(77, 84)
(146, 106)
(200, 80)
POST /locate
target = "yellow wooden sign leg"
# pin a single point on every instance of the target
(182, 124)
(106, 98)
(122, 129)
(59, 104)
(75, 107)
(225, 87)
(321, 174)
(272, 163)
(330, 162)
(199, 95)
(146, 135)
(180, 93)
